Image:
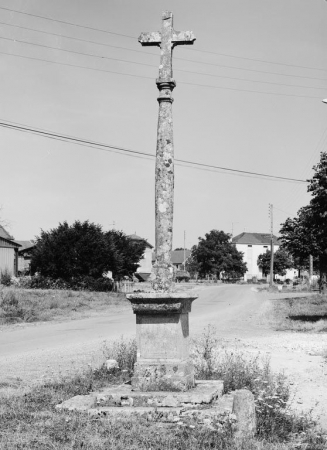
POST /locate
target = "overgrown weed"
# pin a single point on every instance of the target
(302, 314)
(275, 419)
(25, 305)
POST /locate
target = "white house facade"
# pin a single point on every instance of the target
(144, 270)
(252, 245)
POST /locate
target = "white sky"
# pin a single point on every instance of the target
(279, 131)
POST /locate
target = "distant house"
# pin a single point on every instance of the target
(252, 245)
(8, 253)
(177, 258)
(25, 256)
(144, 270)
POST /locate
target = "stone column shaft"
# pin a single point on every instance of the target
(164, 188)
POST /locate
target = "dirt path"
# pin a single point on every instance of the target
(241, 315)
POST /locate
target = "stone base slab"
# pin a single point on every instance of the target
(120, 397)
(205, 392)
(204, 405)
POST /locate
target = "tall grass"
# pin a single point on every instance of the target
(25, 305)
(302, 314)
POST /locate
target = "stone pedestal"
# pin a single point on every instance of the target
(162, 333)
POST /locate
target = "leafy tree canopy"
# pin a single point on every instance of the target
(307, 233)
(83, 249)
(215, 254)
(282, 262)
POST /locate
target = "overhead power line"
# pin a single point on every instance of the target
(152, 65)
(118, 47)
(66, 23)
(151, 78)
(102, 57)
(134, 37)
(107, 147)
(255, 59)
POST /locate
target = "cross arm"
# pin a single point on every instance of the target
(183, 38)
(148, 39)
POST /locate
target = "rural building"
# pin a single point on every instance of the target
(177, 258)
(25, 256)
(8, 253)
(145, 264)
(252, 245)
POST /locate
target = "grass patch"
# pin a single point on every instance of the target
(29, 420)
(26, 305)
(304, 314)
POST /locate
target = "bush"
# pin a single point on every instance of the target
(10, 308)
(86, 283)
(123, 351)
(275, 421)
(5, 277)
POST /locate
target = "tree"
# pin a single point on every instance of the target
(216, 254)
(307, 233)
(191, 264)
(83, 249)
(282, 262)
(124, 261)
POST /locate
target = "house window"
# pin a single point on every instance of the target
(265, 246)
(249, 245)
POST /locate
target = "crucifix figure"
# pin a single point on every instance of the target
(166, 39)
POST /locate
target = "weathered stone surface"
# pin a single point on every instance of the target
(164, 188)
(162, 335)
(163, 376)
(150, 413)
(161, 302)
(78, 403)
(225, 403)
(204, 393)
(244, 409)
(111, 364)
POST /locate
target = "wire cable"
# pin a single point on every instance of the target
(153, 54)
(133, 37)
(67, 138)
(151, 78)
(92, 55)
(254, 59)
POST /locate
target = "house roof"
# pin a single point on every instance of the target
(25, 244)
(4, 234)
(135, 237)
(254, 239)
(8, 243)
(177, 256)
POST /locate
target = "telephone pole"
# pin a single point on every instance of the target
(184, 250)
(271, 245)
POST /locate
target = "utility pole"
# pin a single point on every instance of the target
(184, 250)
(310, 269)
(271, 245)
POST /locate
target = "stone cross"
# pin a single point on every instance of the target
(164, 189)
(162, 317)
